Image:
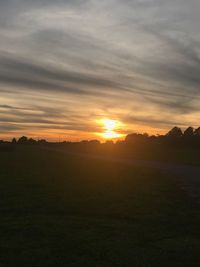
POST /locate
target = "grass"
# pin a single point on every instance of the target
(163, 153)
(58, 210)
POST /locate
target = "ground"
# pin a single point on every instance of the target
(65, 210)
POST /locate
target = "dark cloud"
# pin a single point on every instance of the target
(39, 117)
(17, 70)
(153, 121)
(9, 128)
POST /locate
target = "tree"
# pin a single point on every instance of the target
(94, 142)
(14, 141)
(23, 140)
(136, 138)
(175, 132)
(31, 141)
(189, 132)
(197, 132)
(42, 142)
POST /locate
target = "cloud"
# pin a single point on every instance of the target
(99, 55)
(18, 72)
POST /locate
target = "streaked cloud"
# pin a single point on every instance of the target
(65, 63)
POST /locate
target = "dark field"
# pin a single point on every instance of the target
(61, 210)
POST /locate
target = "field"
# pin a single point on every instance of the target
(63, 210)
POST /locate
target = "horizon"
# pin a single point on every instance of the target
(99, 137)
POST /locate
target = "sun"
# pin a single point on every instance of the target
(109, 125)
(110, 128)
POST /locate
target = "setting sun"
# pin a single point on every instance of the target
(110, 128)
(109, 125)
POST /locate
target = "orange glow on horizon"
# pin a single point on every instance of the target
(101, 128)
(111, 134)
(110, 128)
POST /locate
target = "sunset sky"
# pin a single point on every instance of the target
(66, 65)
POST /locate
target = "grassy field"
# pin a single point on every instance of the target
(59, 210)
(163, 153)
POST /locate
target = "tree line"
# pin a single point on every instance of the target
(175, 137)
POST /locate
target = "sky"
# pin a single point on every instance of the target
(65, 65)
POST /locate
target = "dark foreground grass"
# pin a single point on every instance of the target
(58, 210)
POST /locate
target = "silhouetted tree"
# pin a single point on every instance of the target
(189, 132)
(197, 132)
(175, 133)
(109, 143)
(42, 142)
(84, 142)
(136, 139)
(31, 141)
(14, 141)
(94, 142)
(175, 137)
(23, 140)
(120, 142)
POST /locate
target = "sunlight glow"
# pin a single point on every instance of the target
(109, 125)
(111, 135)
(110, 129)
